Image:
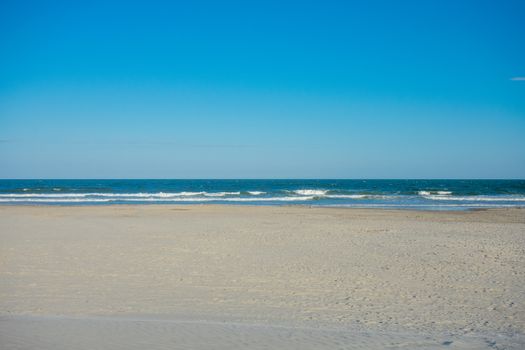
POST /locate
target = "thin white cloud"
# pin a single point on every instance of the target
(518, 78)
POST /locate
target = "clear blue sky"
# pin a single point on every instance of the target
(262, 89)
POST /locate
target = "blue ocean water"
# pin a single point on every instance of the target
(414, 194)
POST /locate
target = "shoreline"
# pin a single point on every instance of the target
(506, 214)
(393, 207)
(236, 205)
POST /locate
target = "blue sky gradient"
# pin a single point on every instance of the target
(262, 89)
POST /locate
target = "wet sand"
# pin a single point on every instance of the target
(255, 277)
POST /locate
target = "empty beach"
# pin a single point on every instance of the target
(202, 276)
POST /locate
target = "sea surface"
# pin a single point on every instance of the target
(414, 194)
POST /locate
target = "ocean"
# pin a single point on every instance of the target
(413, 194)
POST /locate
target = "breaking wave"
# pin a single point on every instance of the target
(354, 193)
(311, 192)
(429, 193)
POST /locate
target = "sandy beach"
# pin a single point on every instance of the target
(260, 277)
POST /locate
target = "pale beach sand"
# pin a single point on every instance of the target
(240, 277)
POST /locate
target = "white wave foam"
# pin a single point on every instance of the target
(227, 199)
(79, 195)
(270, 199)
(36, 195)
(177, 194)
(429, 193)
(254, 196)
(144, 195)
(256, 193)
(221, 194)
(240, 199)
(361, 196)
(381, 205)
(119, 195)
(347, 196)
(475, 198)
(54, 200)
(170, 199)
(150, 199)
(311, 192)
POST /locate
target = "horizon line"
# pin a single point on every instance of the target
(261, 179)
